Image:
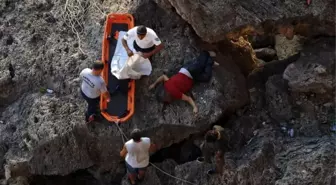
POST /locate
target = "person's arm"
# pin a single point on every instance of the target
(104, 92)
(156, 50)
(124, 43)
(152, 148)
(190, 101)
(158, 45)
(127, 36)
(123, 152)
(160, 79)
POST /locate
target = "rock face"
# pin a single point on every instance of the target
(314, 72)
(213, 19)
(46, 133)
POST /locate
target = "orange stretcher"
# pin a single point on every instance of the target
(120, 108)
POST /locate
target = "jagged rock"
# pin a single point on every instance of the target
(287, 47)
(193, 172)
(150, 179)
(307, 161)
(266, 54)
(213, 19)
(314, 71)
(278, 99)
(169, 167)
(48, 133)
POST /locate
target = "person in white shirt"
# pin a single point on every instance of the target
(146, 41)
(93, 85)
(136, 153)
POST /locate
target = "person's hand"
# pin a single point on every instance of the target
(146, 55)
(129, 53)
(195, 110)
(151, 87)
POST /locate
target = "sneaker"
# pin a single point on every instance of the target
(211, 172)
(91, 118)
(216, 63)
(212, 54)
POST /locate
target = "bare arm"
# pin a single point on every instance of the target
(160, 79)
(190, 101)
(107, 95)
(123, 152)
(152, 148)
(156, 50)
(124, 43)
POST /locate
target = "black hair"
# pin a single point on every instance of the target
(210, 136)
(136, 135)
(98, 65)
(141, 30)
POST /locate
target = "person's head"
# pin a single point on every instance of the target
(141, 32)
(136, 135)
(162, 95)
(211, 136)
(97, 67)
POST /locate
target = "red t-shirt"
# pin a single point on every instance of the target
(178, 84)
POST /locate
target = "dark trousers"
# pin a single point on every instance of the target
(201, 68)
(142, 50)
(92, 105)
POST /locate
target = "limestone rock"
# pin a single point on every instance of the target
(278, 99)
(313, 72)
(266, 54)
(287, 47)
(150, 179)
(307, 161)
(213, 19)
(48, 131)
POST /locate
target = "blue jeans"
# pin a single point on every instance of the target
(132, 170)
(93, 105)
(201, 68)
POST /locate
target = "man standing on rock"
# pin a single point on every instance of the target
(176, 87)
(146, 41)
(136, 153)
(216, 141)
(93, 85)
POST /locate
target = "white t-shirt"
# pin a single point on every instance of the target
(92, 86)
(148, 41)
(138, 153)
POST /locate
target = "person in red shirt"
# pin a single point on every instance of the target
(176, 87)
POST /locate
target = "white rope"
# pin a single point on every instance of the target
(164, 172)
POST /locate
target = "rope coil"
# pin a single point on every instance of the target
(123, 136)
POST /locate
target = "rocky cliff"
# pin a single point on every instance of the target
(277, 62)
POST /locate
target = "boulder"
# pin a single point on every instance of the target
(167, 166)
(211, 20)
(314, 71)
(150, 178)
(47, 132)
(307, 161)
(266, 54)
(277, 99)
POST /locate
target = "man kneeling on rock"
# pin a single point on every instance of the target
(146, 41)
(176, 87)
(136, 153)
(216, 141)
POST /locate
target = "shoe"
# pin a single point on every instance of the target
(212, 54)
(211, 172)
(91, 118)
(216, 63)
